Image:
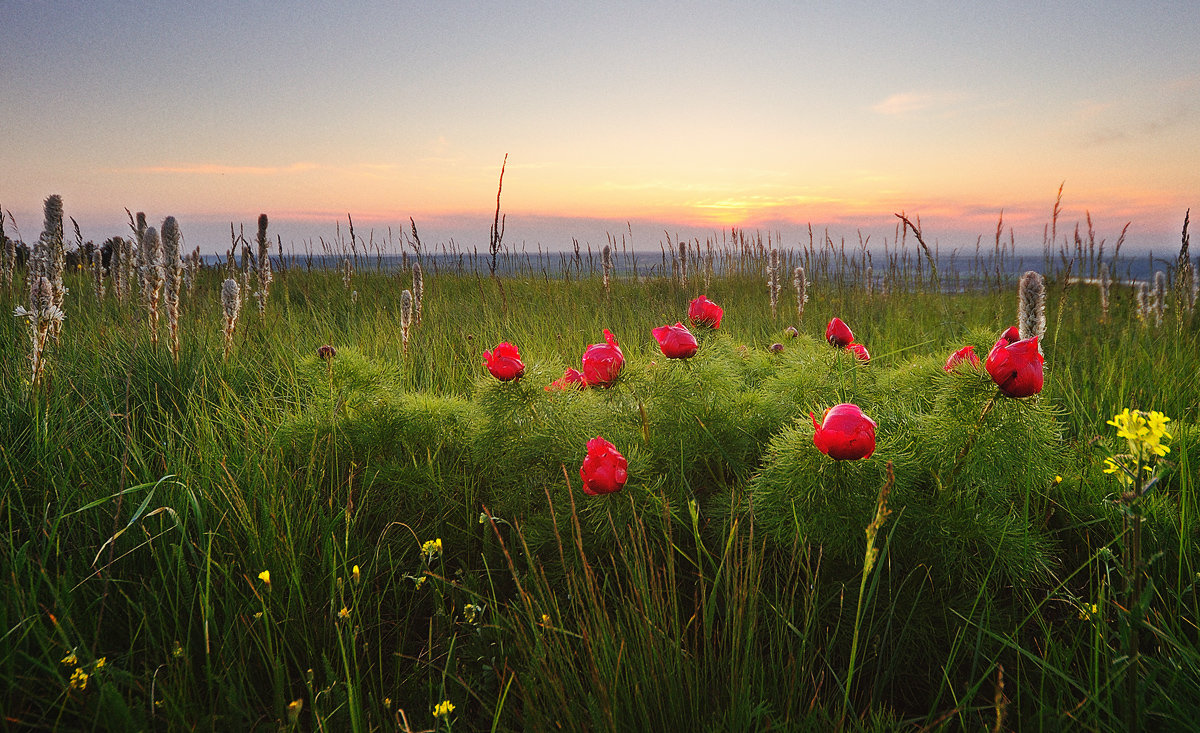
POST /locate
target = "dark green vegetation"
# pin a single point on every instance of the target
(719, 590)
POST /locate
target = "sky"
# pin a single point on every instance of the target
(642, 119)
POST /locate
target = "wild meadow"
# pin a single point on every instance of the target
(312, 507)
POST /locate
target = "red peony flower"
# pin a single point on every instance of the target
(845, 433)
(604, 469)
(1016, 367)
(504, 362)
(860, 352)
(675, 341)
(965, 355)
(838, 334)
(602, 362)
(704, 312)
(570, 378)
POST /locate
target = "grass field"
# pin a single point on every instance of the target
(272, 540)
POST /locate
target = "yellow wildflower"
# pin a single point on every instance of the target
(100, 662)
(344, 613)
(470, 611)
(1112, 466)
(420, 581)
(443, 708)
(69, 660)
(265, 576)
(356, 574)
(432, 549)
(1089, 612)
(79, 679)
(293, 710)
(545, 619)
(1058, 479)
(177, 652)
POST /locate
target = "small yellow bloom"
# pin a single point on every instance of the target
(1058, 479)
(177, 652)
(420, 581)
(432, 549)
(545, 619)
(443, 708)
(470, 611)
(79, 679)
(293, 710)
(356, 574)
(1089, 612)
(69, 660)
(100, 662)
(344, 613)
(265, 576)
(387, 703)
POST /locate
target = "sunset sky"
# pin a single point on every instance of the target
(616, 117)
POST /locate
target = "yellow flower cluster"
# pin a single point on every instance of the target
(1144, 431)
(432, 549)
(79, 679)
(443, 708)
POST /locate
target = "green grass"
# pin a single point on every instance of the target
(143, 497)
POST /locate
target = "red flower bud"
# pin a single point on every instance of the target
(1011, 336)
(838, 333)
(1016, 367)
(570, 378)
(704, 312)
(604, 469)
(602, 362)
(860, 351)
(965, 355)
(675, 341)
(326, 352)
(504, 362)
(845, 433)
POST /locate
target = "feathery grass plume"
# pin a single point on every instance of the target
(231, 302)
(1142, 300)
(53, 256)
(41, 316)
(98, 271)
(190, 268)
(1031, 306)
(173, 282)
(406, 315)
(152, 278)
(138, 225)
(773, 281)
(683, 261)
(708, 266)
(1160, 296)
(418, 290)
(128, 267)
(1185, 273)
(347, 272)
(801, 285)
(606, 263)
(264, 273)
(8, 255)
(1105, 284)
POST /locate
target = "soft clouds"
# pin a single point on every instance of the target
(909, 103)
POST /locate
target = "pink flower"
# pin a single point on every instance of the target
(604, 469)
(602, 362)
(704, 312)
(845, 433)
(965, 355)
(675, 341)
(860, 352)
(838, 333)
(1016, 367)
(504, 362)
(570, 378)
